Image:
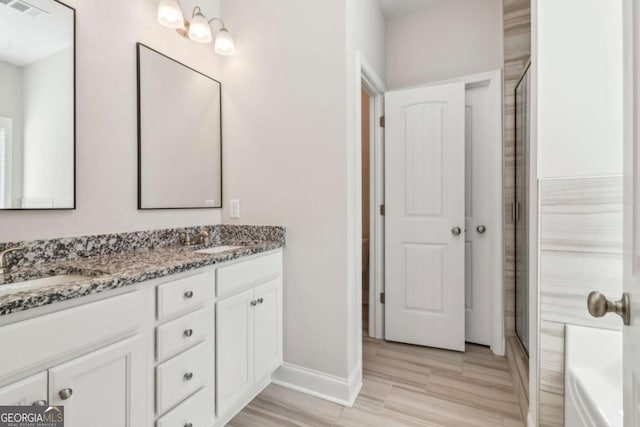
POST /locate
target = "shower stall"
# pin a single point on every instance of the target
(520, 207)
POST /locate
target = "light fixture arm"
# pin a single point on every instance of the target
(219, 20)
(196, 11)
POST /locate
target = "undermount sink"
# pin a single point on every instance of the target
(40, 283)
(218, 249)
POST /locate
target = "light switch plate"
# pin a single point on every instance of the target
(234, 209)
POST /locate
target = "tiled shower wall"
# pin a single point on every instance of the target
(517, 50)
(580, 251)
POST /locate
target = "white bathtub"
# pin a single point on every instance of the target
(593, 377)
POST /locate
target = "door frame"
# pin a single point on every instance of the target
(368, 79)
(495, 82)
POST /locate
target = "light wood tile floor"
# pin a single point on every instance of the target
(403, 385)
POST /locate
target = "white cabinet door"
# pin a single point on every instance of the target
(105, 388)
(268, 328)
(235, 348)
(29, 391)
(424, 218)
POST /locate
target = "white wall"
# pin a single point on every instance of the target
(289, 120)
(579, 88)
(449, 38)
(48, 129)
(107, 123)
(11, 107)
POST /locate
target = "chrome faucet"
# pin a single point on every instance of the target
(199, 239)
(4, 263)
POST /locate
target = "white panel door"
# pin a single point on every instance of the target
(104, 388)
(631, 227)
(479, 196)
(29, 391)
(424, 218)
(268, 328)
(234, 358)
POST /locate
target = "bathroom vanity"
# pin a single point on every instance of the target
(189, 348)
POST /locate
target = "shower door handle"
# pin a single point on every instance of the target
(599, 305)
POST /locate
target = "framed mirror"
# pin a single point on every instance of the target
(37, 105)
(179, 135)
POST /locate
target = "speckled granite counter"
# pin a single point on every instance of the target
(107, 266)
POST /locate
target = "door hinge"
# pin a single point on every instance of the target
(382, 121)
(382, 210)
(382, 298)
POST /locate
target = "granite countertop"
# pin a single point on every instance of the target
(106, 272)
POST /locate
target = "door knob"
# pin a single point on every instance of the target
(599, 305)
(65, 393)
(481, 229)
(456, 231)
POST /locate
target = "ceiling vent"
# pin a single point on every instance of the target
(24, 7)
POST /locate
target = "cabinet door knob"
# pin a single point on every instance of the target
(188, 332)
(188, 294)
(188, 376)
(188, 425)
(65, 393)
(254, 303)
(260, 300)
(39, 403)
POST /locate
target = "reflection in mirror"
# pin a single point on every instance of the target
(37, 105)
(179, 135)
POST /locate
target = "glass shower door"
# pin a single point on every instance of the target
(520, 207)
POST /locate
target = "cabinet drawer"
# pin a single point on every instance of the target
(183, 332)
(184, 294)
(196, 411)
(181, 376)
(234, 278)
(36, 341)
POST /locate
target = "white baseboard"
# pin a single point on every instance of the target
(319, 384)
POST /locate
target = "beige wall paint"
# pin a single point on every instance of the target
(447, 39)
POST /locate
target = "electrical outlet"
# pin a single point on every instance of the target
(234, 209)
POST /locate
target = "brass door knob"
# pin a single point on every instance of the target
(599, 305)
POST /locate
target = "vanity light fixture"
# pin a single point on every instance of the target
(198, 29)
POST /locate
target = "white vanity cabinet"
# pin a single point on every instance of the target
(249, 330)
(28, 391)
(103, 388)
(85, 360)
(190, 349)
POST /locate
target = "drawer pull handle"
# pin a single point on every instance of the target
(188, 332)
(188, 376)
(260, 300)
(39, 403)
(188, 294)
(65, 393)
